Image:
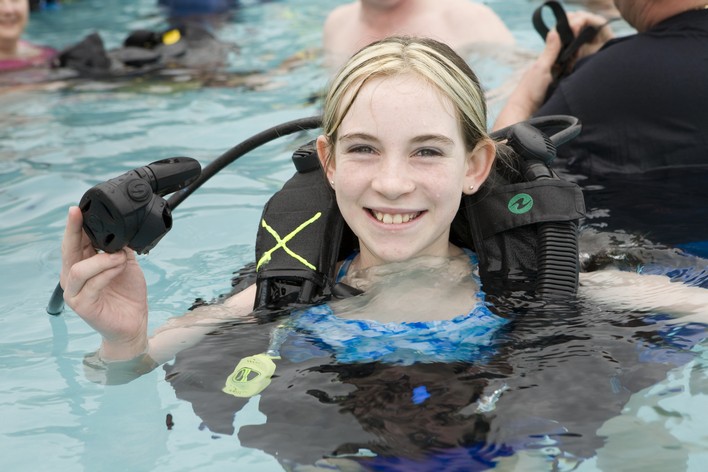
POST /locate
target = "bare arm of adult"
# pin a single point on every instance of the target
(109, 292)
(645, 292)
(529, 94)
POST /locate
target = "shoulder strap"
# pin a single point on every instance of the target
(299, 237)
(525, 235)
(523, 221)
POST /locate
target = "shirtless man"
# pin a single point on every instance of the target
(458, 23)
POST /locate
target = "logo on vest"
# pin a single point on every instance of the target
(520, 203)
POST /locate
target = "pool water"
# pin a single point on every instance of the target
(611, 399)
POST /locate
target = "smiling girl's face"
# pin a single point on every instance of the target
(400, 167)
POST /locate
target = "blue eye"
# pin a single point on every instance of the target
(428, 152)
(361, 149)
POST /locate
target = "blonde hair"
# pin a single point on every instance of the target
(431, 60)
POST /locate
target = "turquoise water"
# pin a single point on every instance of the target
(54, 145)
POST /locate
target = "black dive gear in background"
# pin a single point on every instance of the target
(522, 223)
(143, 52)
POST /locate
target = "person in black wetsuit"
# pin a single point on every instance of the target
(641, 156)
(641, 99)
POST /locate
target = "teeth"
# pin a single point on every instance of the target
(396, 219)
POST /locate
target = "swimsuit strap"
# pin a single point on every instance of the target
(345, 266)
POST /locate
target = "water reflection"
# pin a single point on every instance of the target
(560, 372)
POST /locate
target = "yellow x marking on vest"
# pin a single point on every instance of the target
(281, 243)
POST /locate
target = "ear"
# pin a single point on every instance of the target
(326, 158)
(479, 165)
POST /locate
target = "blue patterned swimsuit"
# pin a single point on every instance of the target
(463, 338)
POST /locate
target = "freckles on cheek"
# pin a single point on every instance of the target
(349, 178)
(343, 185)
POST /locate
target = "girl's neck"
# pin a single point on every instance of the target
(425, 288)
(361, 275)
(365, 260)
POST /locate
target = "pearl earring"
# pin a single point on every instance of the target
(331, 182)
(471, 187)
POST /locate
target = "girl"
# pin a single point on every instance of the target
(404, 137)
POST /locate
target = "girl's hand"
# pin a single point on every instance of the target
(107, 290)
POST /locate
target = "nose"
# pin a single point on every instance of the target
(393, 177)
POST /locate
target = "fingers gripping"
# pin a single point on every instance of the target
(89, 276)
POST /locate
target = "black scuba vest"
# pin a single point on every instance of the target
(522, 224)
(143, 52)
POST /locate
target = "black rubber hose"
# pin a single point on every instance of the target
(56, 302)
(566, 127)
(239, 150)
(559, 128)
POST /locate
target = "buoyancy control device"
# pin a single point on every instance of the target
(189, 45)
(522, 224)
